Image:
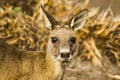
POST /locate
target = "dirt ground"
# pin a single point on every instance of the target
(87, 71)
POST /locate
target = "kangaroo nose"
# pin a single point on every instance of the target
(65, 55)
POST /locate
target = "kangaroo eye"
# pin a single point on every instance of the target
(73, 40)
(54, 39)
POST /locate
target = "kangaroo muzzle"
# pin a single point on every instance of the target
(65, 56)
(65, 53)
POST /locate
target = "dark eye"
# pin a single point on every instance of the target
(54, 39)
(73, 40)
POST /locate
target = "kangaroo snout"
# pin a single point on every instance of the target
(65, 58)
(65, 55)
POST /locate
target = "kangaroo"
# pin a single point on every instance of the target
(17, 64)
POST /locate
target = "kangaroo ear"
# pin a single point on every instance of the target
(78, 21)
(49, 20)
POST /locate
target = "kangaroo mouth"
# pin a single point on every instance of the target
(65, 63)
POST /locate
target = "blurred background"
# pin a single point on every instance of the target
(98, 53)
(114, 4)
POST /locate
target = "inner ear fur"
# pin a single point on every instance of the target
(49, 19)
(78, 21)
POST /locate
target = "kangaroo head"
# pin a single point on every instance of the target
(62, 40)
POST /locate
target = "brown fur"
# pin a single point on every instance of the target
(16, 64)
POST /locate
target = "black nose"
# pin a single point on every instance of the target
(65, 55)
